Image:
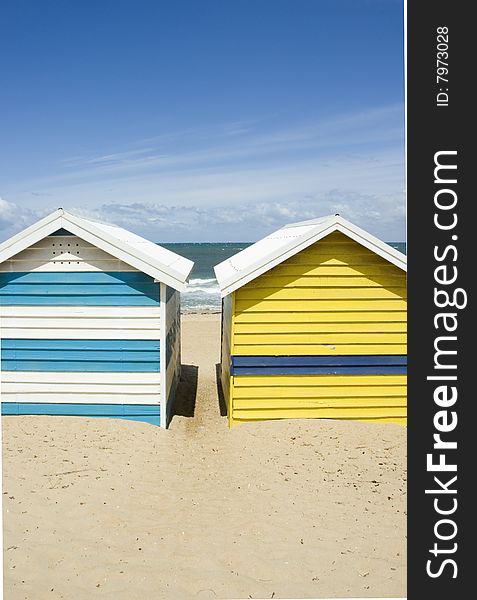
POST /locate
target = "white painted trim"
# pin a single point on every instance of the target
(87, 312)
(80, 334)
(71, 398)
(162, 357)
(67, 377)
(323, 227)
(95, 234)
(138, 259)
(85, 323)
(79, 387)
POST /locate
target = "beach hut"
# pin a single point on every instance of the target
(90, 321)
(314, 325)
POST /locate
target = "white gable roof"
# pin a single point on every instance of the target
(277, 247)
(164, 265)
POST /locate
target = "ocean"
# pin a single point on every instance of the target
(202, 293)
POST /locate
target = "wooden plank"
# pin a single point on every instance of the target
(320, 381)
(81, 366)
(47, 241)
(319, 293)
(79, 323)
(59, 248)
(327, 327)
(321, 413)
(97, 379)
(40, 387)
(85, 334)
(319, 371)
(339, 360)
(321, 281)
(134, 412)
(80, 299)
(80, 355)
(334, 349)
(79, 312)
(331, 258)
(80, 265)
(293, 403)
(311, 317)
(319, 338)
(52, 345)
(82, 398)
(315, 391)
(311, 307)
(333, 268)
(129, 289)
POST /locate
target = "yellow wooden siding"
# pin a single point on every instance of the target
(379, 398)
(335, 297)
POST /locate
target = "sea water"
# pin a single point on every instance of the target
(202, 293)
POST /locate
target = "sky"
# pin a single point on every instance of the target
(210, 120)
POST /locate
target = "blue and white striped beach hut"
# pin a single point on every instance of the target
(90, 321)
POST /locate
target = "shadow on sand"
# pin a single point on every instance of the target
(186, 393)
(220, 393)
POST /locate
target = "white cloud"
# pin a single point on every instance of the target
(13, 218)
(237, 181)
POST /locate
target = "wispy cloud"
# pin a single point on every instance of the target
(238, 180)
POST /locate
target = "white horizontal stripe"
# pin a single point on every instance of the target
(47, 241)
(81, 398)
(55, 266)
(71, 377)
(89, 322)
(77, 388)
(80, 334)
(81, 323)
(118, 312)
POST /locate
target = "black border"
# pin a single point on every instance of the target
(431, 128)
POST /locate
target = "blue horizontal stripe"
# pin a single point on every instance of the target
(319, 365)
(81, 355)
(69, 277)
(66, 355)
(358, 370)
(149, 413)
(319, 361)
(78, 289)
(81, 366)
(80, 300)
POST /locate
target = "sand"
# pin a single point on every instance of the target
(112, 509)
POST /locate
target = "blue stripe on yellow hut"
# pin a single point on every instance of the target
(314, 326)
(90, 321)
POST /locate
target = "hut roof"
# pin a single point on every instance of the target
(277, 247)
(160, 263)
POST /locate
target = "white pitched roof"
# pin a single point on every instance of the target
(164, 265)
(277, 247)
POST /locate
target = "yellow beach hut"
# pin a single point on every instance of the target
(314, 326)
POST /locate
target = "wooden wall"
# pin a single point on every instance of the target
(338, 312)
(80, 330)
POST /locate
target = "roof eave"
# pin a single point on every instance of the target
(124, 252)
(30, 235)
(231, 284)
(61, 219)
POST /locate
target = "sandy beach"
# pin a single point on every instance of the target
(112, 509)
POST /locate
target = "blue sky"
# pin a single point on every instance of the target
(203, 120)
